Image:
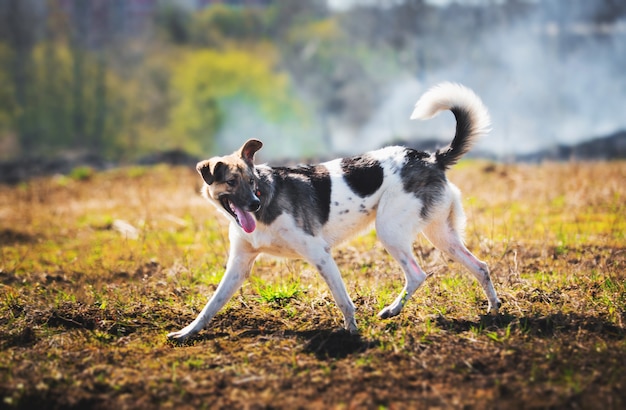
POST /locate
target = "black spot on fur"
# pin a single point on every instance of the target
(321, 182)
(303, 192)
(268, 187)
(424, 179)
(363, 174)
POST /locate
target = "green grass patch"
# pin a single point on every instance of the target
(279, 294)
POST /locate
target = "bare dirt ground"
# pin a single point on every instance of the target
(96, 268)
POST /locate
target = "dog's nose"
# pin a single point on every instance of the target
(255, 204)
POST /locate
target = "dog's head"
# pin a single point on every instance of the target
(231, 182)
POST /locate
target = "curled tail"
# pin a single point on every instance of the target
(472, 118)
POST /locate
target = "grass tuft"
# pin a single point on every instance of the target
(279, 294)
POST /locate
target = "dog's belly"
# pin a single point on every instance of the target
(349, 215)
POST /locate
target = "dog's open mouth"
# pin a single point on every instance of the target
(243, 218)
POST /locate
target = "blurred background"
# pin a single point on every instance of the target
(122, 79)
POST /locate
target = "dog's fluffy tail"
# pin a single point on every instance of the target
(472, 118)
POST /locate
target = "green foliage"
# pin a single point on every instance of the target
(123, 95)
(277, 293)
(81, 173)
(220, 25)
(205, 80)
(52, 116)
(7, 92)
(174, 22)
(325, 35)
(138, 95)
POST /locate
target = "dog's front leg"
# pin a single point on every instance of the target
(327, 267)
(238, 268)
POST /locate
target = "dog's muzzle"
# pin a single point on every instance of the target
(254, 205)
(243, 215)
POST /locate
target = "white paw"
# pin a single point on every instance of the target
(350, 326)
(389, 311)
(493, 308)
(180, 337)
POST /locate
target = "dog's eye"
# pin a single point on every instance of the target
(231, 182)
(252, 181)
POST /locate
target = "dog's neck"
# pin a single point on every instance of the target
(265, 187)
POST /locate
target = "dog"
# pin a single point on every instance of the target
(304, 211)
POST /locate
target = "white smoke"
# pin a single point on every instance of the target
(544, 82)
(540, 92)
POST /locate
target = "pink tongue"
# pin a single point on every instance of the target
(245, 219)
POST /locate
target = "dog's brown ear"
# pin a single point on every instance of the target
(248, 150)
(211, 171)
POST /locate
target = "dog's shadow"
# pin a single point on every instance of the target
(327, 343)
(324, 343)
(335, 344)
(542, 326)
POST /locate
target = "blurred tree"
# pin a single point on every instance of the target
(206, 79)
(80, 13)
(7, 93)
(222, 26)
(61, 94)
(19, 30)
(63, 125)
(174, 21)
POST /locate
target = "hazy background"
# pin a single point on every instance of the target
(311, 78)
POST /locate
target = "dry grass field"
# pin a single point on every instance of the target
(96, 269)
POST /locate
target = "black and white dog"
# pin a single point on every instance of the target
(304, 211)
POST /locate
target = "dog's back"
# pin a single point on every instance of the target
(339, 198)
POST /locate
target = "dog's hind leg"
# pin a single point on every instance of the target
(238, 268)
(445, 236)
(399, 243)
